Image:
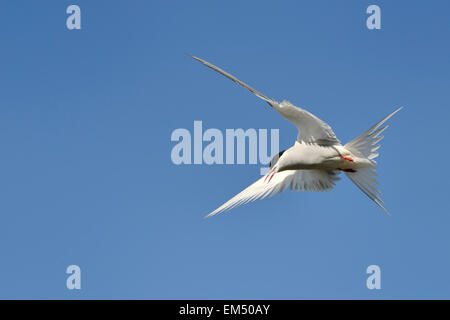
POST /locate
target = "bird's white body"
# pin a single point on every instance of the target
(316, 158)
(305, 156)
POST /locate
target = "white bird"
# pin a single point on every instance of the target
(316, 158)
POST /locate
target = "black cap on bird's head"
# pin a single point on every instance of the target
(276, 158)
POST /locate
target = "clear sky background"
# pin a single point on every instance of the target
(86, 176)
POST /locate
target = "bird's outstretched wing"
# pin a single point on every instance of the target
(239, 82)
(299, 180)
(310, 128)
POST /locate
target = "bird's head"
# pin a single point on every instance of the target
(276, 158)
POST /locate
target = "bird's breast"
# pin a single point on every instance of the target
(307, 156)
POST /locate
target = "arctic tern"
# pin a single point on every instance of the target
(316, 158)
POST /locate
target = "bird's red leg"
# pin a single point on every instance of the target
(270, 174)
(346, 158)
(273, 173)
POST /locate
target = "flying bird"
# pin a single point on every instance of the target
(315, 160)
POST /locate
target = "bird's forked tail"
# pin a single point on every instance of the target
(366, 146)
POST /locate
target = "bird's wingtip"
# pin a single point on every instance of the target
(192, 56)
(209, 215)
(382, 207)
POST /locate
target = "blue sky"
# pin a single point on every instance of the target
(86, 176)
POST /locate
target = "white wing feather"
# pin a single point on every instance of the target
(310, 128)
(299, 180)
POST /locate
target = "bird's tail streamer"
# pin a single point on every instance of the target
(366, 145)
